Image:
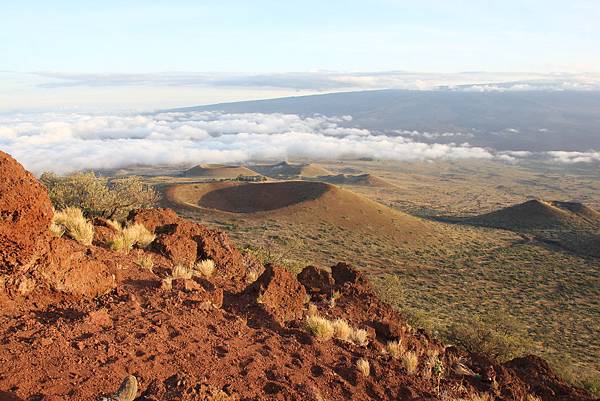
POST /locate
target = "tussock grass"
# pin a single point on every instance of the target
(320, 327)
(363, 367)
(205, 267)
(75, 225)
(146, 262)
(410, 362)
(360, 337)
(56, 230)
(342, 329)
(395, 348)
(181, 271)
(532, 397)
(127, 237)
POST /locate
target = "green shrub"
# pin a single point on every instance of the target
(499, 335)
(98, 196)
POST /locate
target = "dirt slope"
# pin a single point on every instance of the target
(367, 180)
(305, 202)
(221, 337)
(288, 170)
(218, 171)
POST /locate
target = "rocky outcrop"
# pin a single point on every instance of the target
(279, 293)
(25, 215)
(317, 282)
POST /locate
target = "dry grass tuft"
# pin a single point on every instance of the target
(139, 234)
(181, 271)
(532, 397)
(75, 225)
(127, 237)
(320, 327)
(252, 275)
(410, 361)
(395, 348)
(342, 329)
(114, 224)
(313, 310)
(146, 262)
(205, 267)
(360, 337)
(363, 367)
(56, 230)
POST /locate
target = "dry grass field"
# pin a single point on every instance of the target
(440, 267)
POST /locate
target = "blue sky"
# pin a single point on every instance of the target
(267, 36)
(282, 36)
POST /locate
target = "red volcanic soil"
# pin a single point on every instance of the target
(77, 320)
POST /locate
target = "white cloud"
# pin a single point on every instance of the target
(69, 142)
(575, 157)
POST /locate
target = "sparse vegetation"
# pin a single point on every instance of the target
(99, 196)
(127, 237)
(74, 225)
(146, 262)
(252, 275)
(205, 267)
(342, 329)
(181, 271)
(499, 335)
(56, 230)
(410, 362)
(320, 327)
(363, 367)
(395, 348)
(359, 337)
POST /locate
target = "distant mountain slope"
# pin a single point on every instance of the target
(540, 214)
(218, 171)
(288, 170)
(571, 225)
(523, 120)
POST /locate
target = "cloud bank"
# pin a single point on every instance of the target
(65, 143)
(335, 80)
(68, 142)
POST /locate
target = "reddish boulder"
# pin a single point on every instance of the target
(279, 293)
(177, 246)
(317, 282)
(71, 268)
(343, 273)
(153, 219)
(25, 215)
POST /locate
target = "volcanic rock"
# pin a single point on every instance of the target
(25, 215)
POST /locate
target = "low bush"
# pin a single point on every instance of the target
(498, 335)
(99, 196)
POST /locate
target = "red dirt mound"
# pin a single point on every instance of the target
(25, 215)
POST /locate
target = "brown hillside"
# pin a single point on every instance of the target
(367, 180)
(537, 214)
(79, 319)
(305, 202)
(218, 171)
(287, 170)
